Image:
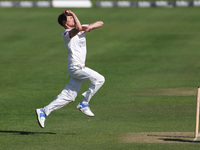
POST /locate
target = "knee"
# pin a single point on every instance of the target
(101, 80)
(98, 80)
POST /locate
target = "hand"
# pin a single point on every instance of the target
(68, 12)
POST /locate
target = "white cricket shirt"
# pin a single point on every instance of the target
(76, 47)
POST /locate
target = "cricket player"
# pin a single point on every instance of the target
(75, 41)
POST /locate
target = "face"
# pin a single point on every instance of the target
(70, 21)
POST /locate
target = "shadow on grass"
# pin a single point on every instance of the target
(26, 132)
(180, 140)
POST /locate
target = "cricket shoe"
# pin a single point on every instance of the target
(41, 117)
(85, 109)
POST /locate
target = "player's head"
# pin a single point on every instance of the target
(67, 21)
(61, 19)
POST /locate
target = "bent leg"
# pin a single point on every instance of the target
(96, 79)
(67, 95)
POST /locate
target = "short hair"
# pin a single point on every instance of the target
(61, 17)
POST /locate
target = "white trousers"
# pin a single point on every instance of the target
(78, 74)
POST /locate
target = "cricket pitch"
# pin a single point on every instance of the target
(159, 137)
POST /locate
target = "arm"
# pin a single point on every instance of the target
(77, 25)
(92, 26)
(96, 25)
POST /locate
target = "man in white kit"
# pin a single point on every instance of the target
(75, 41)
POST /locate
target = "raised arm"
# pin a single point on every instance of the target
(77, 25)
(96, 25)
(92, 26)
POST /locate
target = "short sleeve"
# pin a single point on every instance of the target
(66, 35)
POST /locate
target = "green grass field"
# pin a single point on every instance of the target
(149, 57)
